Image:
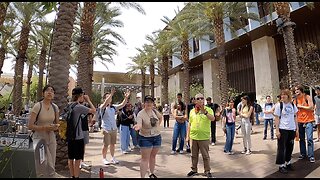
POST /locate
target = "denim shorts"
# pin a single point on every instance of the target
(149, 142)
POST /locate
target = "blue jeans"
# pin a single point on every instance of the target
(124, 137)
(229, 137)
(134, 137)
(179, 129)
(308, 129)
(266, 121)
(257, 119)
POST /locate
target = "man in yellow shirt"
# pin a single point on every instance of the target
(199, 133)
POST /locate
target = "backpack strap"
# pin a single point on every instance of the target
(55, 111)
(35, 122)
(281, 107)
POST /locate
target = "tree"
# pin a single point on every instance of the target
(3, 12)
(285, 27)
(211, 15)
(59, 66)
(29, 13)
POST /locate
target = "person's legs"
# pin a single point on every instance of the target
(289, 145)
(106, 143)
(204, 148)
(133, 134)
(228, 139)
(257, 119)
(175, 136)
(302, 141)
(271, 128)
(244, 134)
(52, 148)
(309, 132)
(194, 155)
(213, 131)
(152, 160)
(113, 142)
(265, 128)
(281, 149)
(145, 158)
(232, 132)
(248, 130)
(123, 137)
(183, 133)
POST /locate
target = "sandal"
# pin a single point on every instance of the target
(152, 176)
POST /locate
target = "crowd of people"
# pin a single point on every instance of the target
(291, 116)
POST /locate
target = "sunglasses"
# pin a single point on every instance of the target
(200, 98)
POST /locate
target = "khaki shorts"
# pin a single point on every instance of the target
(109, 137)
(317, 119)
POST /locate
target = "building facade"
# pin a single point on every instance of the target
(256, 60)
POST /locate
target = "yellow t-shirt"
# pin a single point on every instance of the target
(200, 125)
(46, 117)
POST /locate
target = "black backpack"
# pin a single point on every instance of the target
(259, 108)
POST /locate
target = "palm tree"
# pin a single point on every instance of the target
(211, 15)
(29, 14)
(44, 32)
(179, 31)
(285, 27)
(139, 67)
(3, 12)
(8, 34)
(85, 55)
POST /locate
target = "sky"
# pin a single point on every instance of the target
(136, 27)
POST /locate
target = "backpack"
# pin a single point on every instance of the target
(67, 129)
(259, 108)
(281, 107)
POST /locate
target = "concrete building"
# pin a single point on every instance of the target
(256, 61)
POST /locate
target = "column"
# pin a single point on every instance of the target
(265, 68)
(210, 79)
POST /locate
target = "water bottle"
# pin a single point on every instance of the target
(101, 174)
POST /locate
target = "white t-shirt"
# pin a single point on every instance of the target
(287, 116)
(268, 107)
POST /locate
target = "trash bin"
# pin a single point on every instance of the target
(22, 158)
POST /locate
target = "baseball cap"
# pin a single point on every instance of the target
(77, 90)
(148, 97)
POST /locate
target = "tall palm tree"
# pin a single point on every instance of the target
(3, 12)
(180, 31)
(44, 32)
(210, 16)
(85, 55)
(138, 67)
(59, 66)
(28, 13)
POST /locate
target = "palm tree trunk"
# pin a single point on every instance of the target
(3, 11)
(143, 84)
(29, 76)
(18, 69)
(185, 60)
(42, 64)
(2, 57)
(152, 78)
(164, 81)
(283, 11)
(59, 67)
(220, 40)
(85, 65)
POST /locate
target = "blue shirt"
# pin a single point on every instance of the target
(109, 118)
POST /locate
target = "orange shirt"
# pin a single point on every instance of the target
(304, 115)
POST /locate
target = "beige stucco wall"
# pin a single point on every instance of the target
(265, 68)
(210, 79)
(175, 84)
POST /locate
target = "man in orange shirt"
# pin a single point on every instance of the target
(305, 118)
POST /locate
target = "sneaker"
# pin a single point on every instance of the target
(181, 151)
(272, 138)
(248, 152)
(301, 157)
(114, 161)
(230, 153)
(84, 165)
(289, 167)
(192, 173)
(106, 162)
(283, 170)
(173, 152)
(125, 152)
(244, 151)
(312, 160)
(152, 176)
(213, 144)
(264, 138)
(189, 150)
(209, 175)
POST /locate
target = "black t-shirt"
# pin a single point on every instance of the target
(190, 107)
(125, 121)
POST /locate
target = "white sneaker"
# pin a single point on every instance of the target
(125, 152)
(114, 161)
(212, 144)
(106, 162)
(173, 152)
(248, 152)
(84, 165)
(181, 151)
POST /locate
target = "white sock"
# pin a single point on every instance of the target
(288, 162)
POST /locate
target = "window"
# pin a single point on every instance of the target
(264, 8)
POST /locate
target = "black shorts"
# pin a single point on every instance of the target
(76, 149)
